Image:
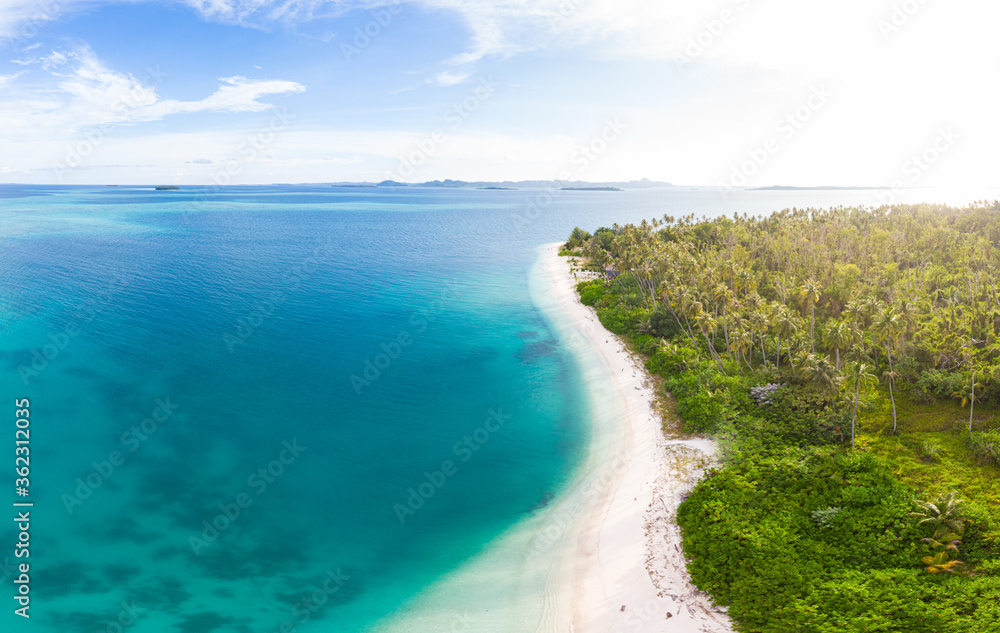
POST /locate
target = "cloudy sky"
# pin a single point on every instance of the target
(741, 92)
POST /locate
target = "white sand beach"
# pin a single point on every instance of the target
(605, 556)
(631, 574)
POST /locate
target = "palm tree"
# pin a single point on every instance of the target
(972, 399)
(787, 328)
(869, 306)
(810, 292)
(685, 304)
(946, 511)
(855, 312)
(705, 324)
(747, 281)
(967, 394)
(645, 326)
(740, 340)
(948, 514)
(819, 371)
(907, 315)
(760, 317)
(858, 377)
(887, 326)
(890, 377)
(674, 304)
(723, 296)
(751, 305)
(839, 334)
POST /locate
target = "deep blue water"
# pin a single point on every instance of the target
(301, 356)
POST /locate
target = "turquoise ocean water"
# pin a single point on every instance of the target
(263, 409)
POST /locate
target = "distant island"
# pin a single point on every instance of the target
(820, 188)
(645, 183)
(167, 188)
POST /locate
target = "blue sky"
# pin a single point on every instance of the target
(737, 92)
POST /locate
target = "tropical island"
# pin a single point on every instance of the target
(847, 363)
(166, 188)
(589, 189)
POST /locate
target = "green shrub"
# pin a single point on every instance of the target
(935, 384)
(577, 237)
(985, 445)
(663, 324)
(591, 292)
(979, 542)
(672, 358)
(794, 417)
(989, 568)
(902, 600)
(647, 344)
(603, 237)
(706, 397)
(762, 534)
(620, 320)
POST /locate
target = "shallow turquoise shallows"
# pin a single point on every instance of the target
(261, 407)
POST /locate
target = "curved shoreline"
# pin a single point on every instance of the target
(630, 573)
(604, 556)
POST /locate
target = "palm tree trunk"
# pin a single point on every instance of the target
(715, 355)
(790, 361)
(891, 397)
(725, 328)
(854, 414)
(689, 331)
(645, 288)
(812, 328)
(838, 359)
(892, 381)
(972, 401)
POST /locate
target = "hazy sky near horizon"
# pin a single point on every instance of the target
(741, 92)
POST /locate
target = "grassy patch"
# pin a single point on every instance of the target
(930, 453)
(921, 417)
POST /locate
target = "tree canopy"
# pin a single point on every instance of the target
(847, 360)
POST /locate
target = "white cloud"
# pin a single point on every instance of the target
(55, 58)
(237, 94)
(6, 79)
(83, 93)
(773, 34)
(895, 77)
(263, 13)
(445, 79)
(737, 66)
(93, 92)
(21, 19)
